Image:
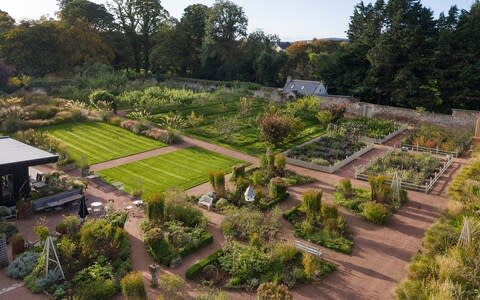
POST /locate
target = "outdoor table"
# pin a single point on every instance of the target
(96, 204)
(138, 202)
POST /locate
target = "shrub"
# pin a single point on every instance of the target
(337, 111)
(274, 128)
(280, 163)
(102, 96)
(18, 244)
(244, 262)
(277, 188)
(67, 248)
(133, 287)
(178, 208)
(222, 203)
(171, 284)
(197, 267)
(345, 187)
(284, 252)
(380, 191)
(244, 222)
(237, 172)
(7, 229)
(155, 207)
(257, 178)
(217, 180)
(99, 288)
(22, 265)
(308, 262)
(158, 246)
(41, 230)
(375, 212)
(312, 202)
(325, 117)
(98, 237)
(273, 291)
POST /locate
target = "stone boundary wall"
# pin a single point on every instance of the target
(458, 118)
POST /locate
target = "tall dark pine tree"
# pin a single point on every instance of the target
(458, 59)
(402, 65)
(352, 65)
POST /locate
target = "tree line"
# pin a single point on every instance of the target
(397, 52)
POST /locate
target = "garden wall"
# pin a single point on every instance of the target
(458, 118)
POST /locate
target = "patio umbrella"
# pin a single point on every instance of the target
(83, 211)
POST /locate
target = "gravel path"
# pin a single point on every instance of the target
(380, 254)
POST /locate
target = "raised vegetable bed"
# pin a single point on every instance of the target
(418, 171)
(327, 153)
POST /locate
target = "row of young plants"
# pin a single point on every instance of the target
(375, 205)
(331, 148)
(447, 267)
(94, 255)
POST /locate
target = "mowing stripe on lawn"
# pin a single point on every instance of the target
(100, 141)
(184, 168)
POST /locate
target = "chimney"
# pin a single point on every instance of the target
(289, 78)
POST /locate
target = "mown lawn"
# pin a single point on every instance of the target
(183, 168)
(99, 142)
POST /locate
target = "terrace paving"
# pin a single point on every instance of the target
(380, 254)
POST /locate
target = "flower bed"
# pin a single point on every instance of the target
(94, 255)
(377, 208)
(174, 228)
(237, 266)
(440, 140)
(417, 171)
(327, 153)
(320, 223)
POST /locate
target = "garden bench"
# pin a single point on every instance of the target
(207, 200)
(307, 248)
(57, 199)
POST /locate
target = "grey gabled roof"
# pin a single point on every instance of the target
(15, 152)
(302, 87)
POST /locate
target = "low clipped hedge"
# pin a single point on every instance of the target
(164, 256)
(197, 267)
(267, 203)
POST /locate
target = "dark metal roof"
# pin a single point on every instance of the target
(13, 152)
(305, 87)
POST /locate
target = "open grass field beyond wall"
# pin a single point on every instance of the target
(183, 168)
(100, 142)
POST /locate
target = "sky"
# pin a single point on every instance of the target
(291, 20)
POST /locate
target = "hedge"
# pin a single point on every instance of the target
(197, 267)
(207, 238)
